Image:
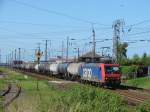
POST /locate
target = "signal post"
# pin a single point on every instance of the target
(38, 55)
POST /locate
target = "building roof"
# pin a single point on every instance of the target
(90, 55)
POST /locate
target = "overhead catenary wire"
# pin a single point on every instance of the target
(132, 26)
(41, 24)
(139, 23)
(49, 33)
(69, 26)
(41, 34)
(57, 13)
(65, 31)
(139, 33)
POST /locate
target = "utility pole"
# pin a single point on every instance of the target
(50, 49)
(12, 57)
(94, 45)
(35, 54)
(78, 53)
(102, 51)
(0, 56)
(46, 50)
(62, 55)
(19, 54)
(6, 60)
(15, 54)
(117, 26)
(67, 52)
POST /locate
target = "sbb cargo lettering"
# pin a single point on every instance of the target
(87, 73)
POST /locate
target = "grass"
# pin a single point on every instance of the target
(1, 104)
(76, 99)
(66, 98)
(2, 86)
(145, 107)
(139, 82)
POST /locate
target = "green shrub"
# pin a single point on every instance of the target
(128, 71)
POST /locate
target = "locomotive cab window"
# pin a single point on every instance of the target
(112, 70)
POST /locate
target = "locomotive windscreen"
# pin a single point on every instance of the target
(112, 70)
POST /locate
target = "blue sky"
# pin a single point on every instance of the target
(24, 26)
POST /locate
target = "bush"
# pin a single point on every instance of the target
(129, 71)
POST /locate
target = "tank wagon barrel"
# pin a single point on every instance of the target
(62, 69)
(54, 68)
(73, 70)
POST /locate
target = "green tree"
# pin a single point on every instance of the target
(145, 59)
(136, 60)
(144, 55)
(122, 52)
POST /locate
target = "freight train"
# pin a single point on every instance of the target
(95, 73)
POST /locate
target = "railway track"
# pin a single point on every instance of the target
(132, 98)
(132, 95)
(7, 90)
(10, 94)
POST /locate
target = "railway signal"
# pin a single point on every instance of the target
(38, 55)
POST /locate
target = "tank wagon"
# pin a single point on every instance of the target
(29, 66)
(54, 68)
(43, 68)
(62, 69)
(96, 73)
(73, 70)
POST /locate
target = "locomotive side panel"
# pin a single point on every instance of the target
(91, 72)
